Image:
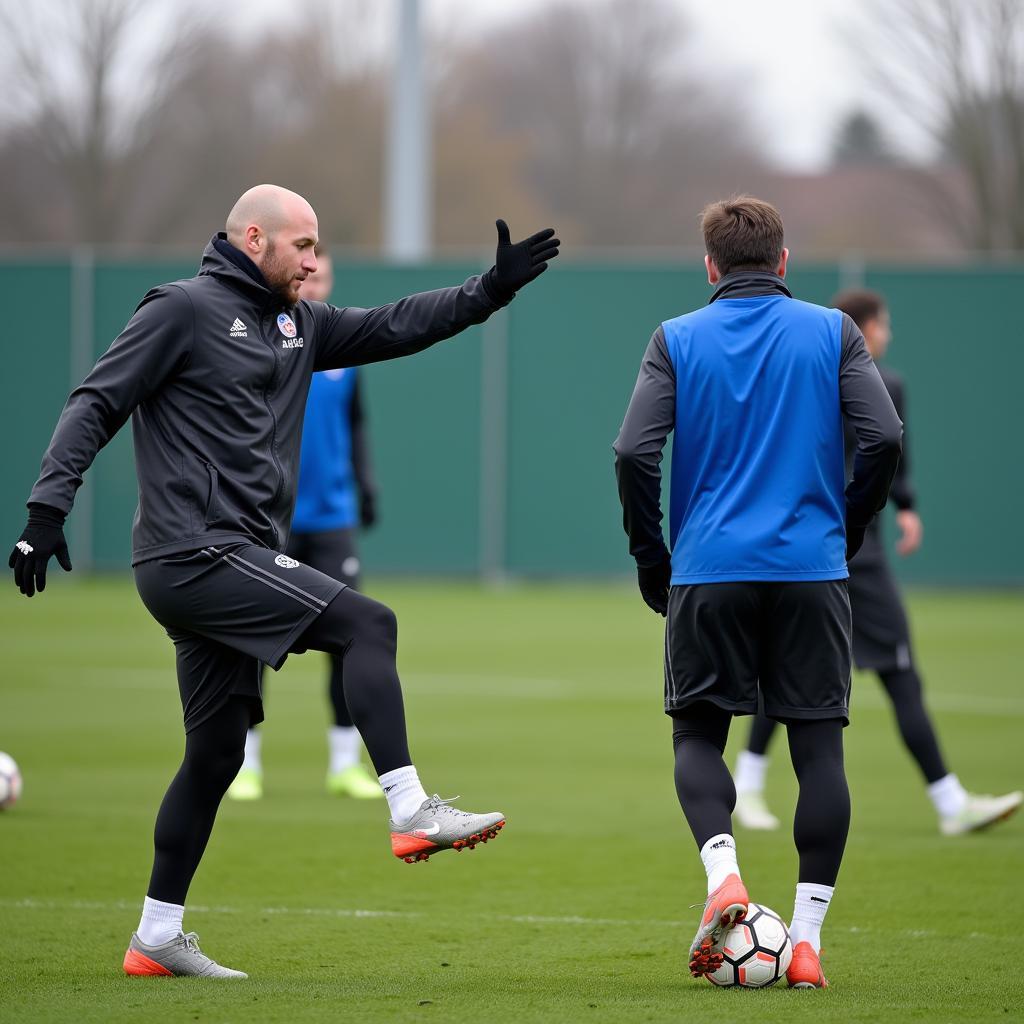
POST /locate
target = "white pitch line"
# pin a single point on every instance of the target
(573, 920)
(482, 685)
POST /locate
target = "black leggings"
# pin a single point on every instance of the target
(213, 755)
(353, 626)
(916, 729)
(364, 633)
(707, 794)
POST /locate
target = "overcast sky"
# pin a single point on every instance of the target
(791, 58)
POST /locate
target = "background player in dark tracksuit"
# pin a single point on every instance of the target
(754, 387)
(336, 494)
(214, 371)
(881, 636)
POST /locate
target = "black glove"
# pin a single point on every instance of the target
(367, 511)
(41, 538)
(654, 582)
(518, 264)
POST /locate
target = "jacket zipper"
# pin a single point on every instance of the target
(273, 436)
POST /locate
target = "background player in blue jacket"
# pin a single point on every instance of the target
(754, 387)
(337, 494)
(881, 635)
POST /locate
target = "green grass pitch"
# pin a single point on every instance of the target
(545, 702)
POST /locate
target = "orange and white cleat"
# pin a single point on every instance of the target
(181, 957)
(724, 907)
(804, 969)
(438, 826)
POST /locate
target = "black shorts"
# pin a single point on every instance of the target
(228, 609)
(881, 633)
(725, 641)
(331, 551)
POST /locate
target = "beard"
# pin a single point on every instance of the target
(280, 280)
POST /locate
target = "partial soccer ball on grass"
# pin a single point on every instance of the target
(756, 952)
(10, 781)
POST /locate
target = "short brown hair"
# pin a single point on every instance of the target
(860, 304)
(742, 233)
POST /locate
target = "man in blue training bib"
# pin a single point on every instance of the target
(755, 387)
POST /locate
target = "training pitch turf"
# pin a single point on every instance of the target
(543, 702)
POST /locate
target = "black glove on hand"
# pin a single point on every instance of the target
(41, 538)
(367, 511)
(654, 582)
(517, 264)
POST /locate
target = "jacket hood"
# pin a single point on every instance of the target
(232, 267)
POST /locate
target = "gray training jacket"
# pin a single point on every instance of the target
(214, 371)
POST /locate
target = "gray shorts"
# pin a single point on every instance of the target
(228, 609)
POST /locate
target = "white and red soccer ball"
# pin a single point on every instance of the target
(10, 781)
(756, 952)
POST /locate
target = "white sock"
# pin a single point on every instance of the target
(343, 744)
(404, 791)
(719, 857)
(809, 911)
(253, 743)
(750, 770)
(948, 795)
(160, 922)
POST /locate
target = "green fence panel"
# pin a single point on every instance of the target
(577, 339)
(501, 459)
(424, 417)
(957, 340)
(36, 300)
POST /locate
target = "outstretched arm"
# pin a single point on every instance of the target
(352, 337)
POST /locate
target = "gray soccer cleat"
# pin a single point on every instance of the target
(979, 812)
(438, 826)
(179, 958)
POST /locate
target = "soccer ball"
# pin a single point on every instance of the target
(10, 781)
(756, 952)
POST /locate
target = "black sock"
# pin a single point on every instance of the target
(703, 783)
(213, 755)
(904, 689)
(822, 818)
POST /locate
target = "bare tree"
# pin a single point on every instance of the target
(861, 140)
(955, 68)
(119, 124)
(77, 105)
(608, 122)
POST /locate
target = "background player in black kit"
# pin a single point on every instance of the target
(214, 372)
(881, 635)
